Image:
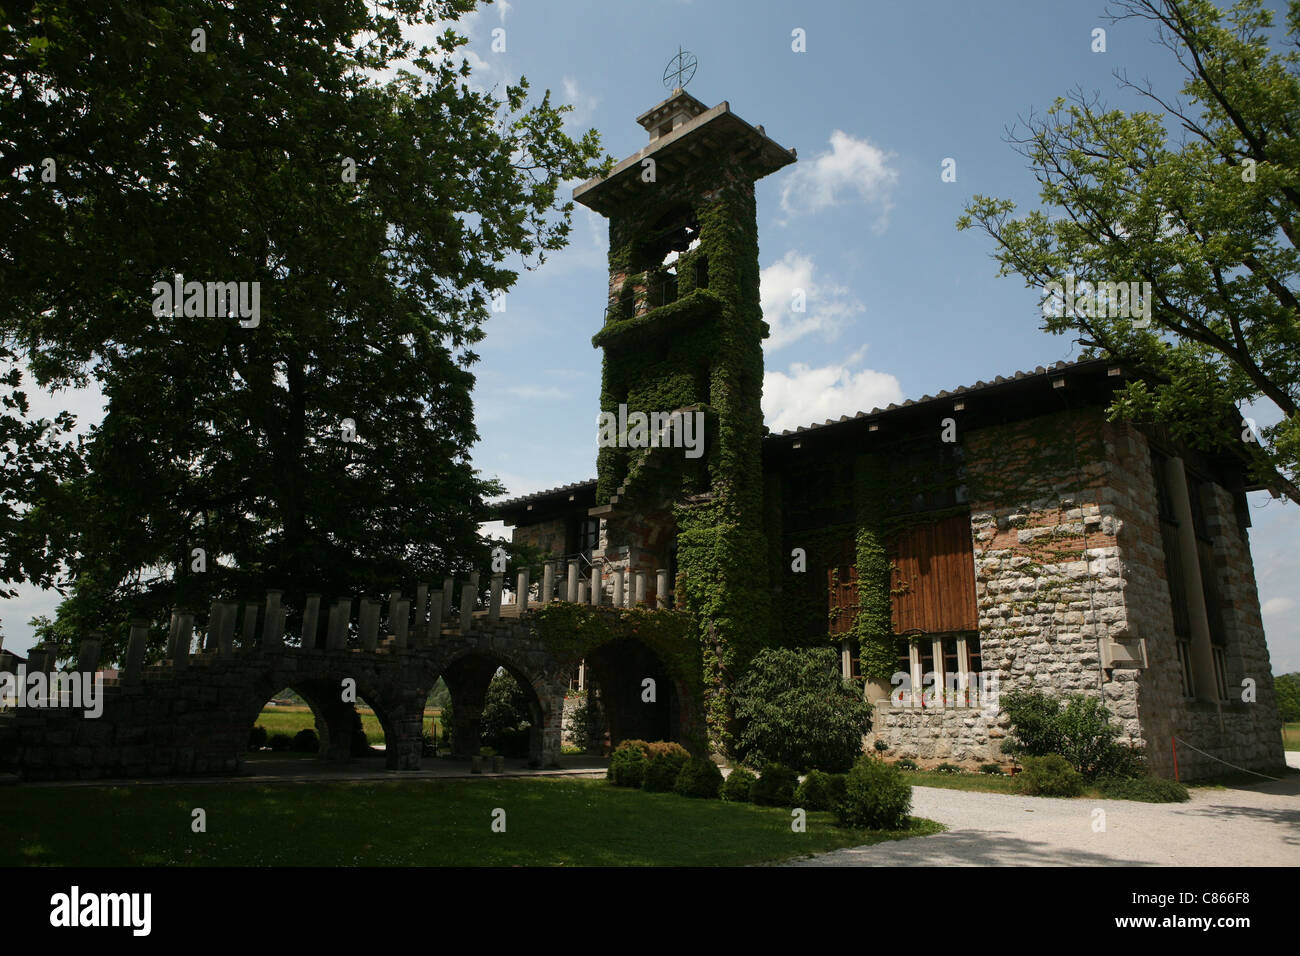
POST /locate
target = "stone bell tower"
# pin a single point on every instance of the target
(679, 474)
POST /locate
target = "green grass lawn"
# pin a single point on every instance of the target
(290, 720)
(985, 782)
(1291, 736)
(549, 822)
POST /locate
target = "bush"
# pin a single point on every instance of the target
(792, 707)
(585, 726)
(628, 763)
(947, 768)
(876, 796)
(257, 738)
(699, 777)
(1081, 732)
(280, 743)
(1049, 776)
(775, 786)
(666, 760)
(305, 741)
(990, 768)
(1146, 789)
(739, 786)
(820, 791)
(360, 746)
(905, 764)
(428, 746)
(444, 724)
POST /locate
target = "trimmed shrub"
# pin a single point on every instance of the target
(1078, 729)
(990, 768)
(428, 746)
(305, 741)
(775, 786)
(280, 742)
(1049, 776)
(257, 738)
(820, 791)
(666, 760)
(905, 764)
(699, 777)
(792, 707)
(1146, 789)
(947, 768)
(739, 786)
(628, 763)
(876, 796)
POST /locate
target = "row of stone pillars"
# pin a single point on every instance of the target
(407, 624)
(628, 590)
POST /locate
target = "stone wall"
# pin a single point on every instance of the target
(1068, 559)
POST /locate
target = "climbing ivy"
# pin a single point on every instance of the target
(873, 627)
(572, 631)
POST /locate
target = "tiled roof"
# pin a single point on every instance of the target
(963, 390)
(979, 386)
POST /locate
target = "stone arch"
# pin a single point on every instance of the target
(468, 671)
(619, 667)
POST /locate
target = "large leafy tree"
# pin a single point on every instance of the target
(324, 448)
(1201, 199)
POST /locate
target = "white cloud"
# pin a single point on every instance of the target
(1277, 606)
(851, 166)
(583, 104)
(807, 395)
(826, 304)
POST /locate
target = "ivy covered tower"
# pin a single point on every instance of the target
(682, 333)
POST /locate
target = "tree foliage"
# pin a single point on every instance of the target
(325, 448)
(1207, 213)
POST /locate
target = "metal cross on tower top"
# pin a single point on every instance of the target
(680, 69)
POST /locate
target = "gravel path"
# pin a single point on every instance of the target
(1254, 826)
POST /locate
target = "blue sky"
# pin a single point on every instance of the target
(899, 303)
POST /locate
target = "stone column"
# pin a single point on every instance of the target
(226, 632)
(173, 629)
(273, 626)
(336, 639)
(368, 624)
(434, 630)
(597, 585)
(1193, 588)
(135, 648)
(248, 635)
(548, 582)
(468, 593)
(88, 656)
(619, 594)
(494, 604)
(215, 610)
(448, 586)
(639, 589)
(582, 592)
(403, 622)
(521, 592)
(419, 634)
(661, 589)
(571, 588)
(184, 638)
(310, 622)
